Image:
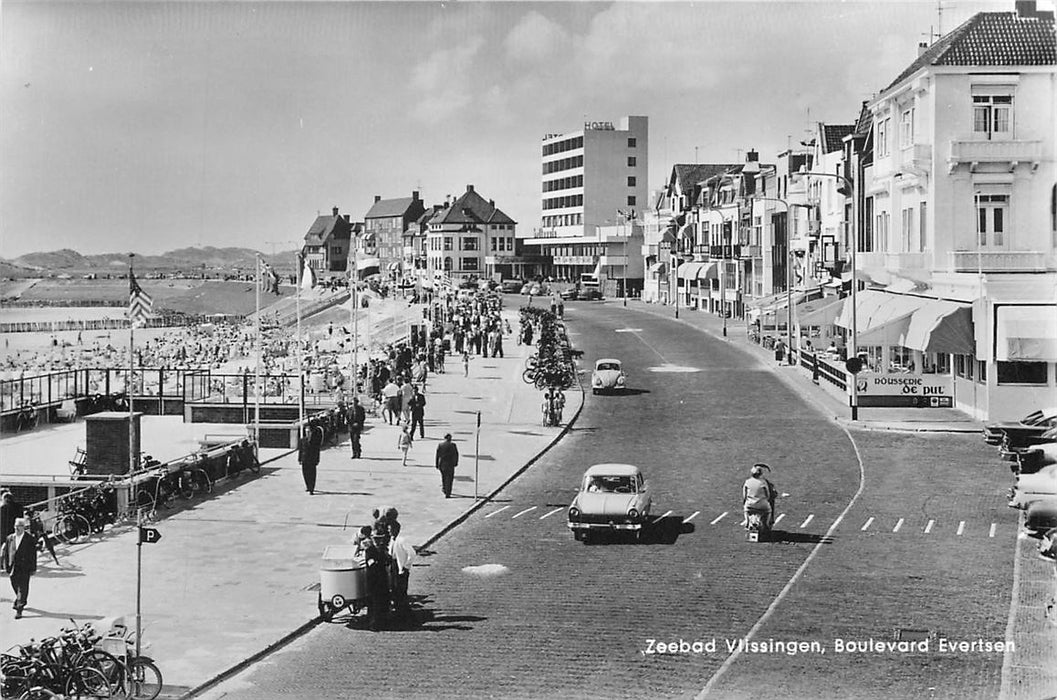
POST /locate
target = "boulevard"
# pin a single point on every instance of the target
(559, 618)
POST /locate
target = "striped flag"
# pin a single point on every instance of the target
(270, 278)
(139, 302)
(308, 275)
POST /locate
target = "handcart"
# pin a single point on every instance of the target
(342, 581)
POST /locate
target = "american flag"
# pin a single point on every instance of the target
(139, 302)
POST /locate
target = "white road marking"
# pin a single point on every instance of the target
(627, 330)
(779, 518)
(494, 512)
(666, 514)
(552, 512)
(690, 517)
(527, 510)
(928, 526)
(673, 368)
(721, 516)
(809, 519)
(961, 527)
(991, 533)
(866, 525)
(899, 524)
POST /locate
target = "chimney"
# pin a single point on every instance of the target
(491, 203)
(377, 198)
(414, 195)
(1027, 9)
(469, 188)
(923, 46)
(346, 218)
(335, 210)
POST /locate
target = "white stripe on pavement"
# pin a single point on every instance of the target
(866, 525)
(928, 527)
(721, 516)
(779, 518)
(527, 510)
(666, 514)
(809, 519)
(552, 512)
(494, 512)
(899, 524)
(961, 527)
(690, 517)
(992, 532)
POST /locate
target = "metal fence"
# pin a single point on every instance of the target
(55, 387)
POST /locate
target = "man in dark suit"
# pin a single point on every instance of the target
(447, 460)
(19, 554)
(308, 454)
(357, 417)
(9, 511)
(418, 413)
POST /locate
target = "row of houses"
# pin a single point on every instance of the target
(937, 203)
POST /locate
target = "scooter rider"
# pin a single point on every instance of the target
(758, 494)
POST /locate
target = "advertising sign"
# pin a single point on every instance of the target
(905, 390)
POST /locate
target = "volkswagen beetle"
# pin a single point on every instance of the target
(608, 376)
(611, 497)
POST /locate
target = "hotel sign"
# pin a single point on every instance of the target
(905, 390)
(574, 260)
(598, 126)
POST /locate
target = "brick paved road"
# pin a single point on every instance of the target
(572, 620)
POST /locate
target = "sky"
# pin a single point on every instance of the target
(128, 127)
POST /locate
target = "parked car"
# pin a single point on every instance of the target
(608, 375)
(1032, 459)
(1036, 494)
(511, 286)
(570, 294)
(590, 294)
(1033, 424)
(612, 497)
(1012, 445)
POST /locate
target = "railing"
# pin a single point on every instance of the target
(995, 151)
(102, 324)
(1001, 261)
(893, 261)
(54, 387)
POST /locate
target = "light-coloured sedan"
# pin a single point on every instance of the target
(611, 497)
(608, 376)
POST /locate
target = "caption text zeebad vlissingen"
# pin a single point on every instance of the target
(714, 645)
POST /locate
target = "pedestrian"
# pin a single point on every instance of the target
(418, 413)
(10, 510)
(401, 555)
(391, 395)
(498, 351)
(779, 351)
(407, 390)
(308, 454)
(357, 418)
(19, 554)
(466, 363)
(376, 559)
(447, 460)
(404, 442)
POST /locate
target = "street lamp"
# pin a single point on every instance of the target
(853, 350)
(624, 285)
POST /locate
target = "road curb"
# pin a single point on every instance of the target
(459, 519)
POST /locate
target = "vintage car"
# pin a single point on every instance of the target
(1036, 494)
(611, 497)
(1035, 423)
(608, 376)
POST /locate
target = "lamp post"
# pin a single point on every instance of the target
(624, 216)
(723, 267)
(853, 350)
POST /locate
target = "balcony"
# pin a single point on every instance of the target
(892, 261)
(1001, 261)
(1009, 152)
(752, 251)
(917, 159)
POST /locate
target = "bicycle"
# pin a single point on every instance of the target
(36, 528)
(46, 666)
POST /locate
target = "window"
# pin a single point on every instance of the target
(447, 264)
(448, 242)
(906, 128)
(992, 212)
(632, 143)
(910, 243)
(922, 227)
(469, 264)
(631, 201)
(881, 137)
(963, 366)
(1022, 373)
(470, 243)
(632, 161)
(993, 115)
(631, 181)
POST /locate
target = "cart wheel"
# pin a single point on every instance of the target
(356, 608)
(338, 602)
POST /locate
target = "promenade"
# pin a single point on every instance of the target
(237, 571)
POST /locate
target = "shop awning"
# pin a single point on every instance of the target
(657, 268)
(941, 326)
(394, 265)
(688, 271)
(709, 272)
(881, 319)
(364, 263)
(1026, 333)
(820, 312)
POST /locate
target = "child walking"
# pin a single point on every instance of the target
(404, 442)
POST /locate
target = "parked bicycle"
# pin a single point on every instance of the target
(36, 528)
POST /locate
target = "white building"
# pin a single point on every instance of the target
(592, 179)
(959, 215)
(469, 238)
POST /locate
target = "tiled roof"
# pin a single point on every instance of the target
(865, 122)
(471, 208)
(833, 135)
(688, 175)
(991, 39)
(385, 208)
(320, 229)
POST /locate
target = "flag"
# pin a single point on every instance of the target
(139, 302)
(308, 275)
(270, 278)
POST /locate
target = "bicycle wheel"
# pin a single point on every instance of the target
(144, 500)
(143, 680)
(84, 683)
(184, 486)
(38, 693)
(200, 481)
(106, 663)
(72, 527)
(529, 376)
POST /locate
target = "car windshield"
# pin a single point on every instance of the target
(611, 484)
(1033, 418)
(608, 365)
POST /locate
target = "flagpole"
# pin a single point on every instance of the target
(257, 367)
(354, 301)
(132, 456)
(300, 364)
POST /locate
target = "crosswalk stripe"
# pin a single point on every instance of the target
(527, 510)
(720, 517)
(666, 514)
(779, 518)
(866, 525)
(552, 512)
(690, 517)
(899, 524)
(809, 519)
(992, 531)
(928, 527)
(961, 527)
(494, 512)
